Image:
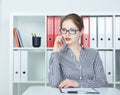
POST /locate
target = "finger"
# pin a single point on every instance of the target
(58, 42)
(66, 86)
(61, 43)
(69, 85)
(62, 84)
(59, 37)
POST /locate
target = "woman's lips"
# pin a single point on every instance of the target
(67, 39)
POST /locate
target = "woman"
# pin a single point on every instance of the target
(71, 64)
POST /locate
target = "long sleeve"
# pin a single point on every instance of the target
(63, 65)
(54, 70)
(99, 77)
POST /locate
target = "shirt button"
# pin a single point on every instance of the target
(52, 55)
(80, 68)
(80, 77)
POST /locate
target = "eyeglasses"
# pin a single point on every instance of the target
(71, 31)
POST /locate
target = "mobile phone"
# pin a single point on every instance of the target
(63, 41)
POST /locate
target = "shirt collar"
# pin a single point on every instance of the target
(65, 48)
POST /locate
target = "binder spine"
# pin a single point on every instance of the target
(109, 33)
(86, 33)
(50, 31)
(93, 32)
(17, 66)
(101, 32)
(24, 65)
(57, 21)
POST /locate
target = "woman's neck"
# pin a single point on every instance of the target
(75, 47)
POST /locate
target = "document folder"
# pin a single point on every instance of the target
(117, 32)
(50, 30)
(101, 32)
(86, 33)
(79, 90)
(109, 65)
(16, 75)
(93, 32)
(24, 65)
(109, 32)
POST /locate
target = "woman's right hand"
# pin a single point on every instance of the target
(58, 44)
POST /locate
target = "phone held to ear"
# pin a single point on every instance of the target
(63, 41)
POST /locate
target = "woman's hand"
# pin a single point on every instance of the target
(58, 44)
(68, 83)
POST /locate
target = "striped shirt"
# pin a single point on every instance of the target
(88, 71)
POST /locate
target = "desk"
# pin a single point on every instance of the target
(47, 90)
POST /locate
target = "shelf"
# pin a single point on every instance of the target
(30, 82)
(117, 49)
(37, 58)
(29, 49)
(50, 48)
(105, 48)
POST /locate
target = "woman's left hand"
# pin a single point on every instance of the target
(68, 83)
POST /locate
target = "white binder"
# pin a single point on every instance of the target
(109, 62)
(49, 52)
(102, 55)
(24, 65)
(117, 35)
(16, 75)
(93, 32)
(109, 33)
(101, 32)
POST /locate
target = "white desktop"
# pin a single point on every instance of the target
(47, 90)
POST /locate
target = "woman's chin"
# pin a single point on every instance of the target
(68, 43)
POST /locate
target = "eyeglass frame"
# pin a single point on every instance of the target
(68, 31)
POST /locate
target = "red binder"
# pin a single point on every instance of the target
(50, 27)
(86, 33)
(57, 21)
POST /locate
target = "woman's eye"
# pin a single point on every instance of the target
(63, 29)
(72, 30)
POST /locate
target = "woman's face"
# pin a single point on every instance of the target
(70, 38)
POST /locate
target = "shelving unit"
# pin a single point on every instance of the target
(34, 69)
(38, 57)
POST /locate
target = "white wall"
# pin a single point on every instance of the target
(8, 6)
(64, 5)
